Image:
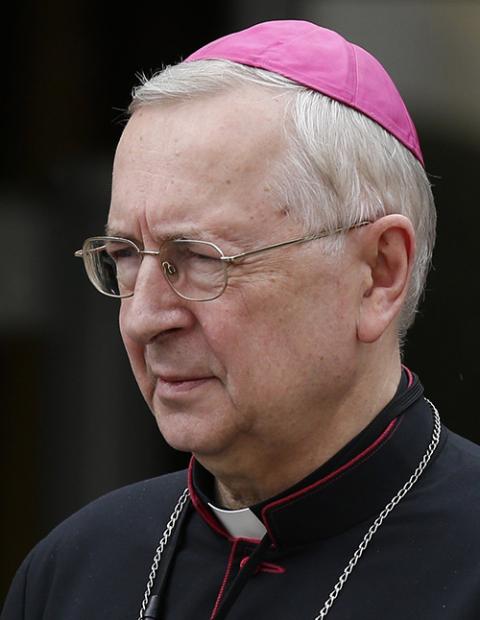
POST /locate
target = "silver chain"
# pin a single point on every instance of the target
(182, 500)
(383, 515)
(355, 557)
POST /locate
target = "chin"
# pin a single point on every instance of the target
(203, 426)
(192, 436)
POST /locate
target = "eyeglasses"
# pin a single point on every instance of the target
(195, 270)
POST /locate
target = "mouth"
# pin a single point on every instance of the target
(172, 385)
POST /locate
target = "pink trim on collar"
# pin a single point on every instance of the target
(217, 527)
(362, 456)
(409, 375)
(207, 516)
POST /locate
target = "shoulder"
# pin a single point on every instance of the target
(122, 528)
(452, 482)
(468, 451)
(459, 456)
(149, 501)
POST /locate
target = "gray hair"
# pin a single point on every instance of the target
(340, 167)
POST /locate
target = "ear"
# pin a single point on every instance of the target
(388, 250)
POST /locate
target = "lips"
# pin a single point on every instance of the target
(171, 385)
(180, 379)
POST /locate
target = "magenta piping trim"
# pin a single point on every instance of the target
(200, 508)
(225, 580)
(265, 567)
(208, 517)
(409, 375)
(365, 453)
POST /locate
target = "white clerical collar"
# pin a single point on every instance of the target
(241, 523)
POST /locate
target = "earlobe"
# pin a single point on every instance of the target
(388, 250)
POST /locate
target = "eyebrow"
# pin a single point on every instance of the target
(187, 233)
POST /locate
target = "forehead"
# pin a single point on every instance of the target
(202, 164)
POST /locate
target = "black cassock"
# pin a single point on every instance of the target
(423, 563)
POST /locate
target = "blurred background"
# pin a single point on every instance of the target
(73, 424)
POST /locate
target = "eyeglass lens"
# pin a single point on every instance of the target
(192, 268)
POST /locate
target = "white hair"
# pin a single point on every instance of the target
(340, 167)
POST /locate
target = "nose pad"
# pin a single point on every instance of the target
(169, 269)
(153, 284)
(155, 307)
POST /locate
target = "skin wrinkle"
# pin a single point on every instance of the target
(281, 345)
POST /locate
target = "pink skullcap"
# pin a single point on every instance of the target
(324, 61)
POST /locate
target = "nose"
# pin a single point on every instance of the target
(154, 309)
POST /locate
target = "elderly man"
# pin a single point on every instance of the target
(269, 235)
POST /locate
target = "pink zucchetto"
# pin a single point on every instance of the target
(323, 61)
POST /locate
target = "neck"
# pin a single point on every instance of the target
(247, 478)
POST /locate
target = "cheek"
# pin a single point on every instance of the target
(235, 345)
(135, 354)
(253, 353)
(128, 343)
(294, 337)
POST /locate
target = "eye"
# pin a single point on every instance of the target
(200, 255)
(120, 252)
(195, 252)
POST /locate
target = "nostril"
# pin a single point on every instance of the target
(164, 334)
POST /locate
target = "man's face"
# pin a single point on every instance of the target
(256, 370)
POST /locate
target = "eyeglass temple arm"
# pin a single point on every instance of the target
(235, 257)
(80, 253)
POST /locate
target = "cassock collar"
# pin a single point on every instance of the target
(353, 486)
(242, 523)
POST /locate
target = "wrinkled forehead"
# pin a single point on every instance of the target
(233, 125)
(193, 161)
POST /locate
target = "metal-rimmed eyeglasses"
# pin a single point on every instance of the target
(195, 270)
